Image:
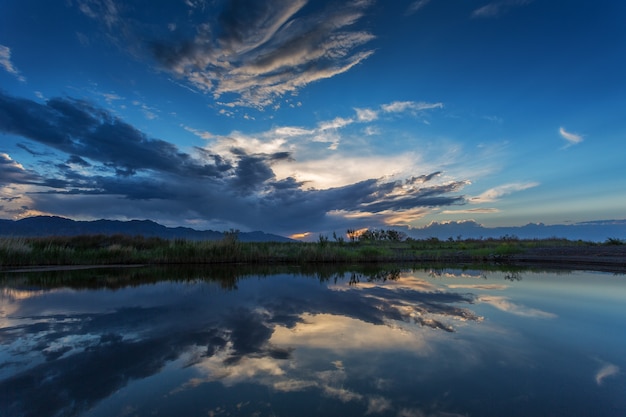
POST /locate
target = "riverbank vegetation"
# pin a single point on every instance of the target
(372, 246)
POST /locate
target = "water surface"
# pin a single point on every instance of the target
(381, 343)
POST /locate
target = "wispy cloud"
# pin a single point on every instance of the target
(472, 211)
(412, 106)
(504, 304)
(103, 10)
(606, 370)
(571, 138)
(497, 8)
(326, 131)
(495, 193)
(480, 286)
(415, 6)
(249, 52)
(415, 108)
(5, 62)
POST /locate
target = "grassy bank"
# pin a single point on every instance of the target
(121, 249)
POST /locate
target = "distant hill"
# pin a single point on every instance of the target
(40, 226)
(595, 231)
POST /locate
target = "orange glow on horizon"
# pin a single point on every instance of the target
(300, 235)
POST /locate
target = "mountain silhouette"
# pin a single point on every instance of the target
(40, 226)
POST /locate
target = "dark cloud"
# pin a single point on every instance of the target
(29, 150)
(84, 131)
(433, 196)
(254, 171)
(75, 159)
(13, 173)
(111, 169)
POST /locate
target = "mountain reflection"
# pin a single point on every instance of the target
(70, 352)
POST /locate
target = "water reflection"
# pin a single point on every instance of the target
(154, 341)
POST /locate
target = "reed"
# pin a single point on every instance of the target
(123, 249)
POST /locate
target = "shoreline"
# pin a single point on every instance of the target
(592, 258)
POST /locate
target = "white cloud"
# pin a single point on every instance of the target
(262, 143)
(291, 131)
(378, 405)
(342, 170)
(110, 97)
(498, 8)
(199, 133)
(605, 371)
(371, 131)
(336, 123)
(416, 5)
(315, 166)
(148, 112)
(472, 211)
(571, 138)
(480, 286)
(366, 115)
(412, 106)
(495, 193)
(5, 62)
(503, 303)
(320, 331)
(104, 10)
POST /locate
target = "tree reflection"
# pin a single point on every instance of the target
(513, 276)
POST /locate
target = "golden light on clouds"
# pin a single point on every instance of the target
(339, 333)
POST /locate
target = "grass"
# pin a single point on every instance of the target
(125, 250)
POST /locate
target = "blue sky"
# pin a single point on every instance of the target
(299, 116)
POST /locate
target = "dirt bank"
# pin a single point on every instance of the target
(597, 258)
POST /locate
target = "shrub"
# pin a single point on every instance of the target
(611, 241)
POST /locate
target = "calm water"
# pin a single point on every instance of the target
(225, 343)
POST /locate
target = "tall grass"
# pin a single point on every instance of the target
(123, 249)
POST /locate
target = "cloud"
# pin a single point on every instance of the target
(415, 6)
(498, 8)
(77, 127)
(366, 115)
(13, 172)
(571, 138)
(411, 106)
(336, 123)
(5, 62)
(103, 10)
(493, 194)
(472, 211)
(606, 370)
(480, 286)
(96, 165)
(502, 303)
(247, 52)
(288, 338)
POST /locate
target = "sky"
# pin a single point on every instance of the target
(303, 117)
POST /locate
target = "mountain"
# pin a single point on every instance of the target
(60, 226)
(595, 231)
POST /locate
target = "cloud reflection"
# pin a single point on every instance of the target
(504, 304)
(93, 339)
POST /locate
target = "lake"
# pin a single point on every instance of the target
(290, 342)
